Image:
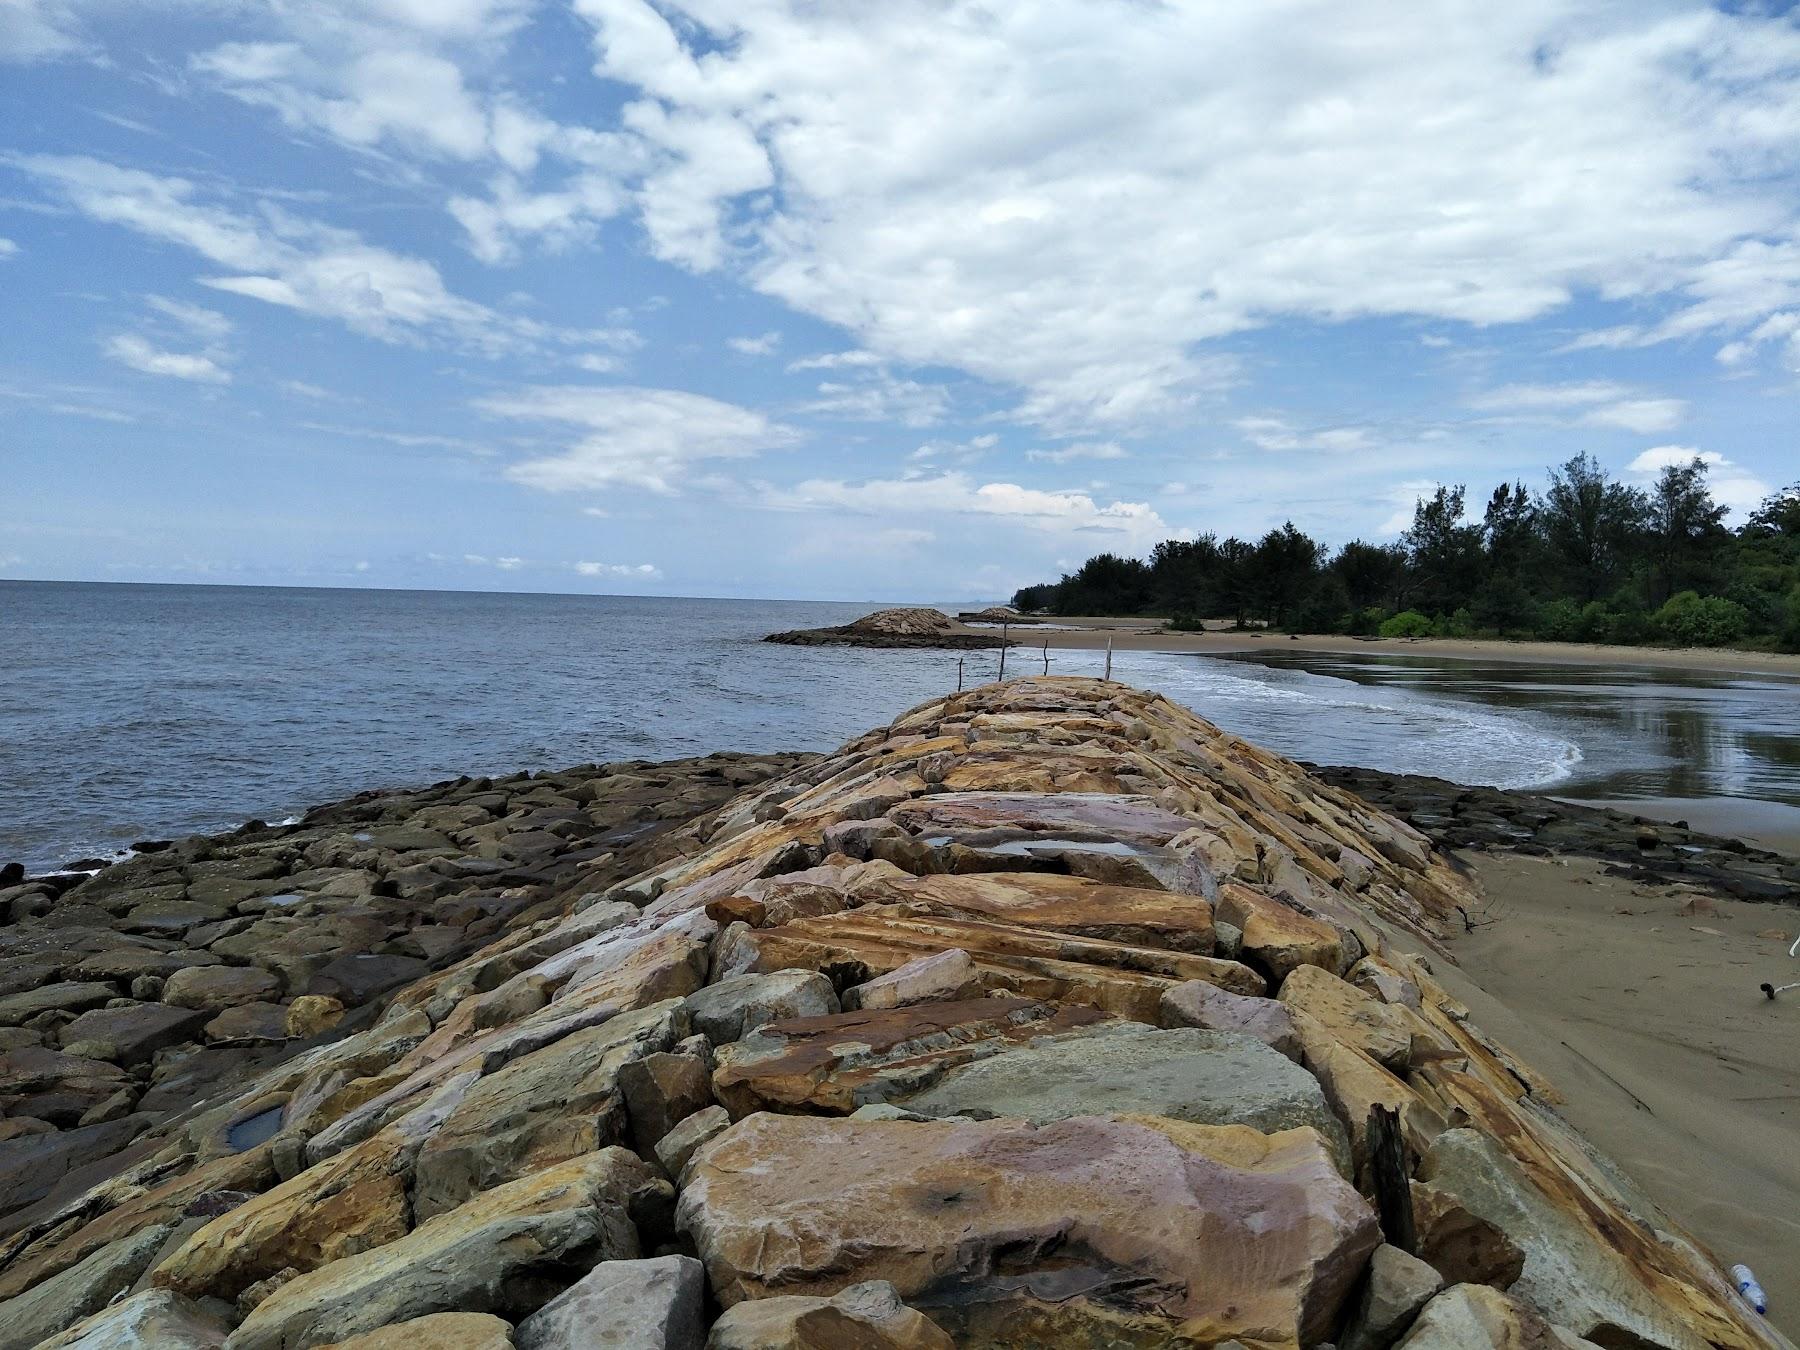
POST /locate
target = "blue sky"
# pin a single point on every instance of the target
(925, 299)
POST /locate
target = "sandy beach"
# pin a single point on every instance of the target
(1089, 634)
(1649, 1020)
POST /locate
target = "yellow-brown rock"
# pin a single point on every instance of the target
(1278, 938)
(863, 1317)
(842, 1061)
(499, 1253)
(438, 1331)
(346, 1205)
(1098, 1230)
(1379, 1031)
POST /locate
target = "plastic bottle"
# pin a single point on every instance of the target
(1745, 1279)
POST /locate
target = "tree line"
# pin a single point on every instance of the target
(1586, 559)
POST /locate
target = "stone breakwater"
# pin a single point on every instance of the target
(1048, 1015)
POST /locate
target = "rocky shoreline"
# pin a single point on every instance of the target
(131, 996)
(1453, 816)
(1046, 1016)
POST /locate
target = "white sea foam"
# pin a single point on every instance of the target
(1335, 721)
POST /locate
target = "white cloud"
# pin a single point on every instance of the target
(1732, 485)
(962, 451)
(284, 260)
(1081, 450)
(8, 249)
(1273, 433)
(37, 30)
(621, 571)
(879, 396)
(511, 213)
(411, 440)
(648, 438)
(1131, 525)
(834, 361)
(1642, 415)
(762, 345)
(1591, 403)
(1403, 497)
(128, 349)
(1213, 169)
(196, 319)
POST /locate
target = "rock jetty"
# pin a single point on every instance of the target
(916, 627)
(1048, 1015)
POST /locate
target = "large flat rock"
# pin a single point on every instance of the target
(1115, 1231)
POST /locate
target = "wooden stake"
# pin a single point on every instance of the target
(1046, 656)
(1390, 1178)
(1109, 658)
(959, 666)
(1002, 651)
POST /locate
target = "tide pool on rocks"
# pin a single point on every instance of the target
(1046, 1016)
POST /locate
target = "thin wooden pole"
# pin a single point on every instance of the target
(1002, 651)
(1109, 658)
(959, 677)
(1046, 656)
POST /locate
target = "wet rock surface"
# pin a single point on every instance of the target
(169, 978)
(1046, 1016)
(1458, 817)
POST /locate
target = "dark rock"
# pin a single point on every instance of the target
(357, 979)
(135, 1032)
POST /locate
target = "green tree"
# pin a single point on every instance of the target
(1286, 561)
(1372, 574)
(1445, 553)
(1592, 524)
(1684, 529)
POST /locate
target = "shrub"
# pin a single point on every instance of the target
(1365, 622)
(1183, 622)
(1560, 621)
(1460, 624)
(1700, 621)
(1408, 623)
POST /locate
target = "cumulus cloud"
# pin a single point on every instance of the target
(1591, 403)
(1130, 525)
(1732, 485)
(633, 437)
(620, 571)
(8, 249)
(1220, 167)
(128, 349)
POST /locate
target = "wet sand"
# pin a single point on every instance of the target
(1652, 1024)
(1090, 634)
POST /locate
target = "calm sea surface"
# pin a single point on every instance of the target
(131, 712)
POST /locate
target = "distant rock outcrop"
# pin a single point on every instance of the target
(906, 1048)
(905, 627)
(996, 614)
